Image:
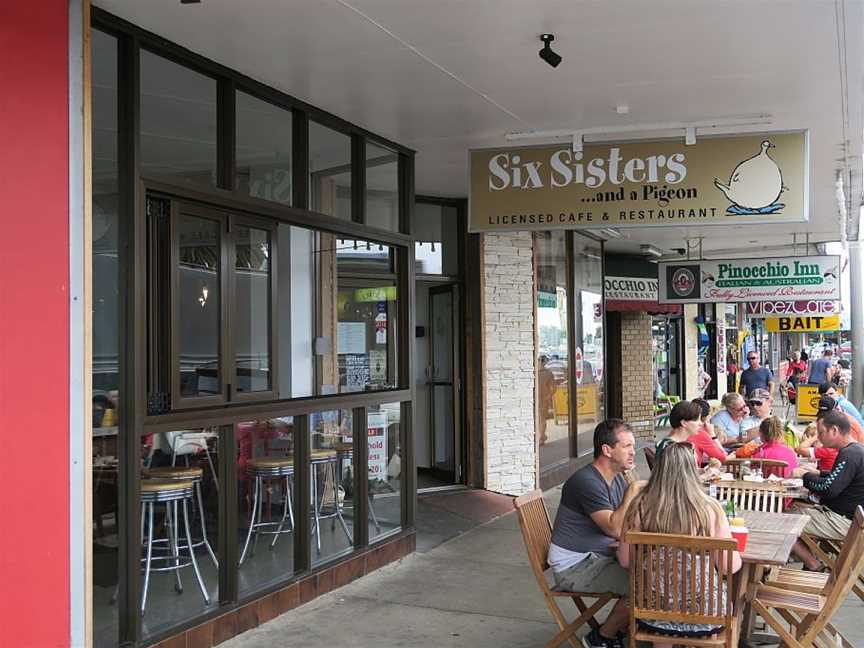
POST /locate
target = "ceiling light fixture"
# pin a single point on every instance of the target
(611, 233)
(547, 54)
(650, 250)
(604, 132)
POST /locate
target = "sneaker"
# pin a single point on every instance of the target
(595, 640)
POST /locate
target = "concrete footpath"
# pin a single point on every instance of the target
(475, 590)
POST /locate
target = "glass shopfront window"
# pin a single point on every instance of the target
(178, 121)
(553, 331)
(382, 188)
(332, 483)
(329, 171)
(264, 141)
(589, 352)
(436, 232)
(570, 346)
(384, 468)
(267, 506)
(237, 302)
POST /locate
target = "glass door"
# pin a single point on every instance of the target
(443, 380)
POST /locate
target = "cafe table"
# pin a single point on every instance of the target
(770, 542)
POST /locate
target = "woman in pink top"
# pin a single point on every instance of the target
(774, 447)
(705, 441)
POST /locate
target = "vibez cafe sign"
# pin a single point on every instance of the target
(750, 280)
(736, 180)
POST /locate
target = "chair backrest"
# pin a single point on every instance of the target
(681, 578)
(650, 456)
(776, 467)
(766, 498)
(536, 531)
(847, 570)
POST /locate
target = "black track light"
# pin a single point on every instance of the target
(546, 53)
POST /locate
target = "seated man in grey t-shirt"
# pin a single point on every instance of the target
(593, 503)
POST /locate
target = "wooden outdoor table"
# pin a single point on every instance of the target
(770, 542)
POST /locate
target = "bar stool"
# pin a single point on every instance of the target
(170, 493)
(326, 460)
(261, 469)
(194, 474)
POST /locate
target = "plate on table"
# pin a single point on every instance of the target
(793, 482)
(753, 478)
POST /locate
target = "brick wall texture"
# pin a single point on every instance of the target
(637, 374)
(508, 299)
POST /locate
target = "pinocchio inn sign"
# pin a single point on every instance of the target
(750, 280)
(742, 179)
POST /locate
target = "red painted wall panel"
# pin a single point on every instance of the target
(34, 324)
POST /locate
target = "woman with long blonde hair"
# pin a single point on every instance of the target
(673, 502)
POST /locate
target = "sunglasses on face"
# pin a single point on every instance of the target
(752, 358)
(755, 403)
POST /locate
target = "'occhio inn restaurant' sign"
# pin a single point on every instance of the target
(750, 280)
(736, 180)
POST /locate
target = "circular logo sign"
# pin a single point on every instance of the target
(683, 282)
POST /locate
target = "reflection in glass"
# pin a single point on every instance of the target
(252, 309)
(332, 487)
(198, 306)
(436, 235)
(365, 336)
(329, 171)
(265, 473)
(179, 504)
(178, 121)
(382, 188)
(106, 396)
(384, 469)
(588, 289)
(263, 150)
(552, 333)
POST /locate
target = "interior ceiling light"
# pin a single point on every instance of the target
(547, 54)
(651, 250)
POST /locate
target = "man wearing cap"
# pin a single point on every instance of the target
(760, 403)
(840, 491)
(828, 389)
(756, 376)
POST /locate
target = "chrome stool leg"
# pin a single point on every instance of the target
(204, 524)
(172, 526)
(336, 507)
(316, 529)
(192, 552)
(149, 558)
(372, 513)
(286, 509)
(252, 521)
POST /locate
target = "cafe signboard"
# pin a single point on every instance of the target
(801, 278)
(777, 308)
(802, 323)
(754, 178)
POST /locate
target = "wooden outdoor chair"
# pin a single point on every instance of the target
(650, 456)
(752, 496)
(537, 533)
(828, 551)
(808, 601)
(767, 466)
(659, 591)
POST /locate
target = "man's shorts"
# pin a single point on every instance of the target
(824, 523)
(596, 574)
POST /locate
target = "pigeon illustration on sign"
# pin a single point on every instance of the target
(755, 185)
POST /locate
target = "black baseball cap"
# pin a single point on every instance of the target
(826, 404)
